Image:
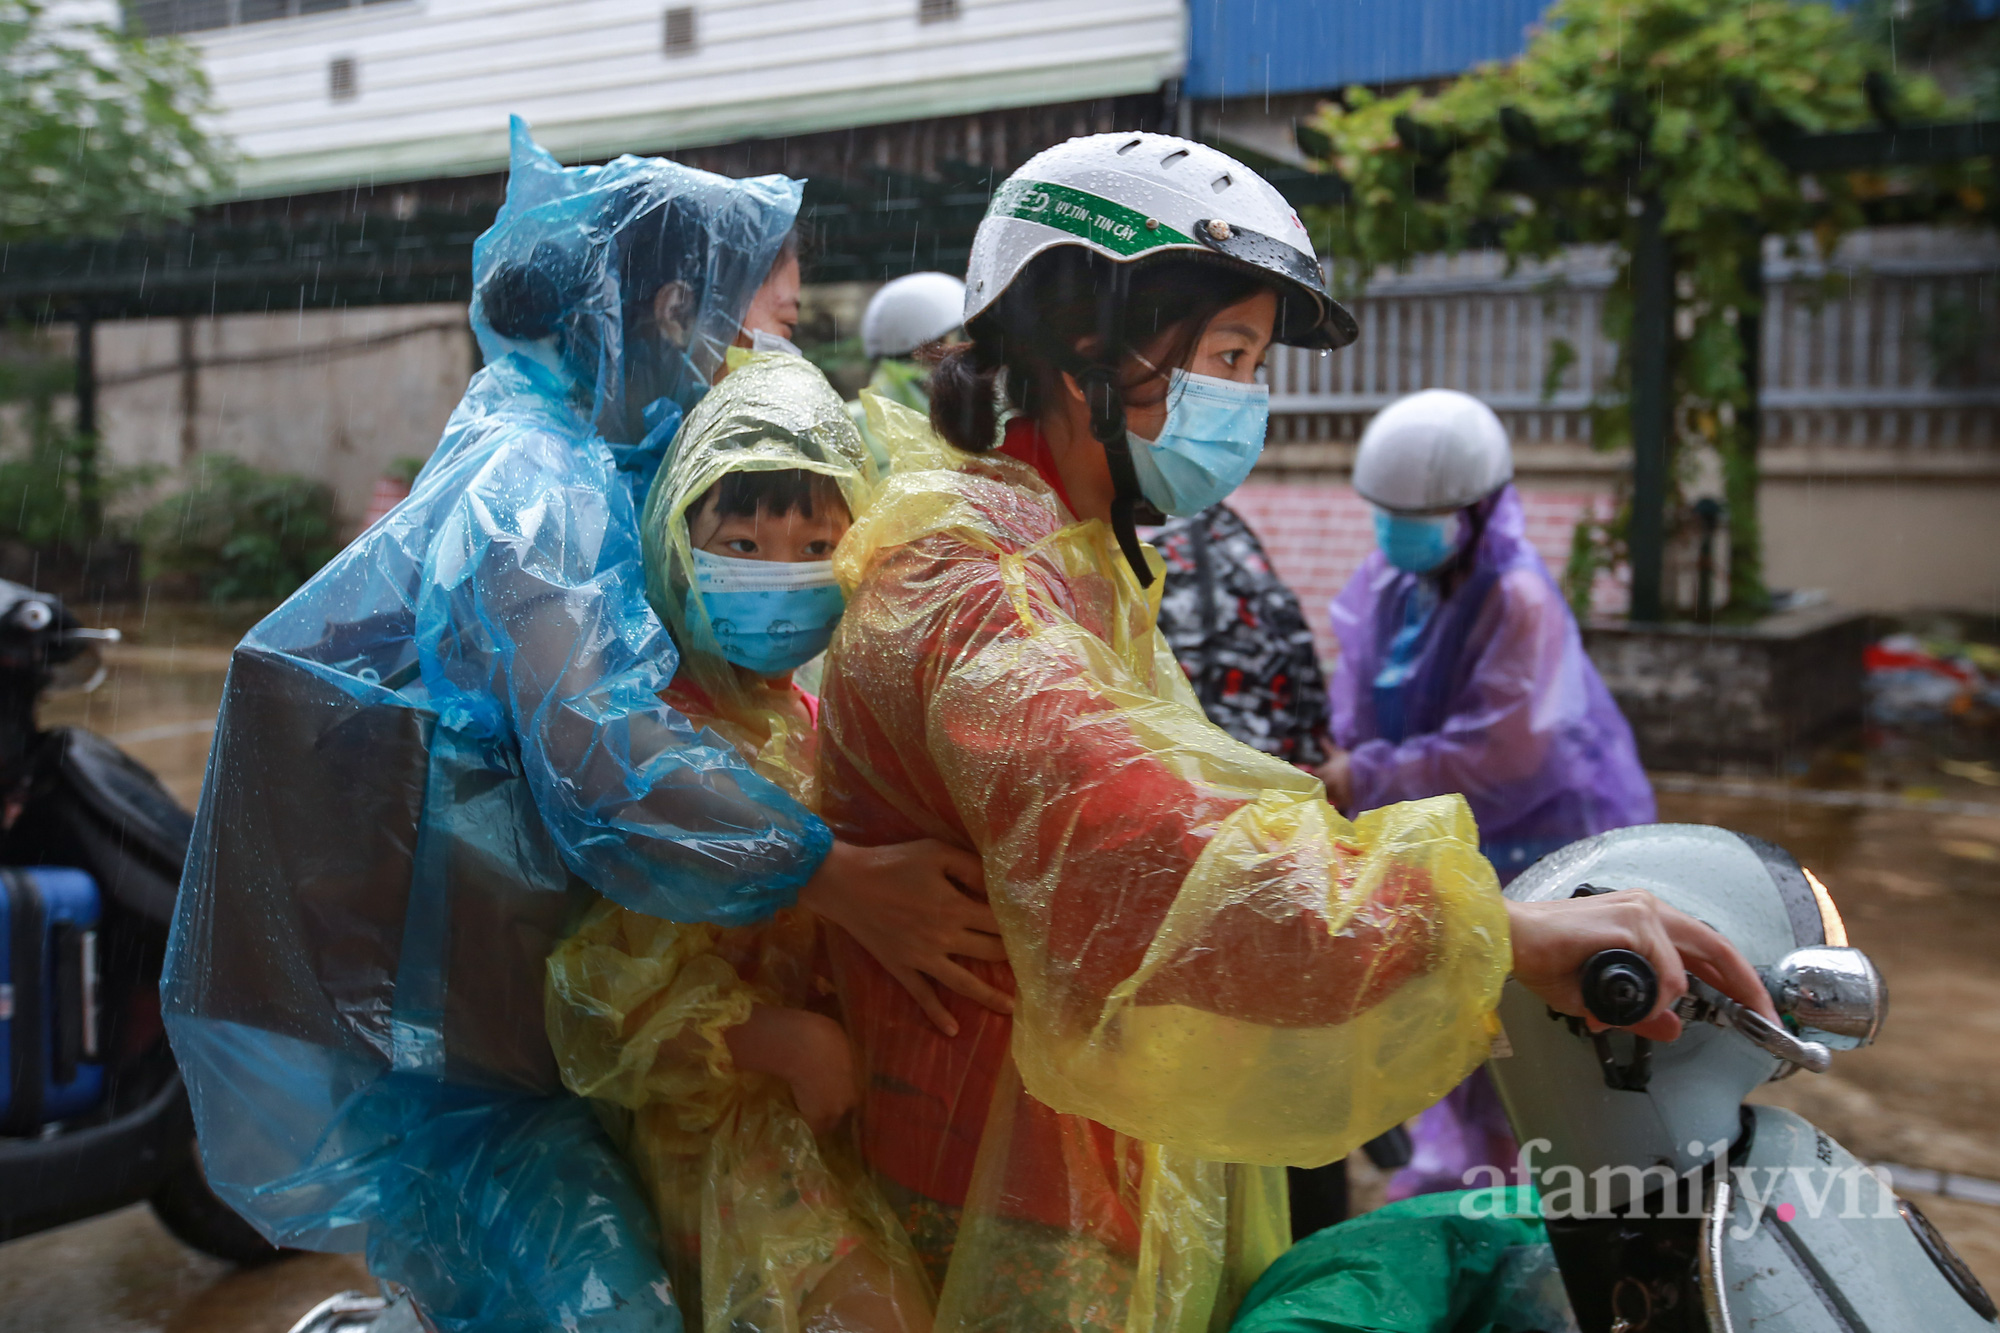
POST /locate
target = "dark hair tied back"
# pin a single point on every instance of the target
(527, 299)
(965, 393)
(520, 302)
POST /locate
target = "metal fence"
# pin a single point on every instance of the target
(1895, 344)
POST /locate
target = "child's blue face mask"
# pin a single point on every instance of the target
(1416, 544)
(1214, 432)
(770, 616)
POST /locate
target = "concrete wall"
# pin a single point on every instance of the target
(1878, 542)
(1887, 543)
(333, 395)
(1317, 532)
(341, 395)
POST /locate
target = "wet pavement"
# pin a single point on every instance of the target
(1920, 890)
(123, 1273)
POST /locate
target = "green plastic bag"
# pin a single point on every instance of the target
(1470, 1261)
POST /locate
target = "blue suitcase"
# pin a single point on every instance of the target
(50, 1067)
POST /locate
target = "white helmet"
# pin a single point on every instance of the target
(911, 311)
(1134, 196)
(1431, 453)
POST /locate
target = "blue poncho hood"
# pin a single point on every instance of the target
(627, 280)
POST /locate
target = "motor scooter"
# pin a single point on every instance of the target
(1671, 1205)
(93, 1116)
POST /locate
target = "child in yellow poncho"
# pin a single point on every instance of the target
(722, 1044)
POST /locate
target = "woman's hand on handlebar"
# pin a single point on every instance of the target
(913, 906)
(1553, 940)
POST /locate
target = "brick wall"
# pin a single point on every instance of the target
(1317, 534)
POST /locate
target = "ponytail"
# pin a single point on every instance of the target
(965, 396)
(520, 301)
(1459, 567)
(528, 298)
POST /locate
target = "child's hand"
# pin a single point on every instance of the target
(809, 1051)
(823, 1079)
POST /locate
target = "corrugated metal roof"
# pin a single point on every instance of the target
(1251, 48)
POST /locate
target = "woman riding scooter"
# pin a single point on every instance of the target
(1213, 966)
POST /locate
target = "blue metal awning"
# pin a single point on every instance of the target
(1250, 48)
(1255, 48)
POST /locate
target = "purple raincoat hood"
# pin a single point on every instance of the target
(1501, 704)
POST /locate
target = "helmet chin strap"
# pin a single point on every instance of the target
(1107, 423)
(1097, 376)
(1107, 420)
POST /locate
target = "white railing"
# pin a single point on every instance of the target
(1850, 349)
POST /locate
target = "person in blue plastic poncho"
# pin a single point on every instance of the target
(432, 752)
(1461, 669)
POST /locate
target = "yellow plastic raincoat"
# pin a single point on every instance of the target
(753, 1209)
(899, 381)
(1213, 966)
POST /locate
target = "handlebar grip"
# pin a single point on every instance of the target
(1620, 987)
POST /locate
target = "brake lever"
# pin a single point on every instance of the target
(1703, 1003)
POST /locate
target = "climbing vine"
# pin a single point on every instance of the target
(1614, 99)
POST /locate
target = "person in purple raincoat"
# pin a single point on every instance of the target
(1462, 670)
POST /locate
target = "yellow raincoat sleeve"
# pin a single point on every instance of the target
(1209, 957)
(637, 1010)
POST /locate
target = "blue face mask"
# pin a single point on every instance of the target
(1418, 545)
(1214, 432)
(771, 616)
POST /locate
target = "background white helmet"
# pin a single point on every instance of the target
(911, 311)
(1134, 196)
(1431, 453)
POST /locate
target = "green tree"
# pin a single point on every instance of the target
(1615, 99)
(99, 126)
(100, 129)
(241, 534)
(1951, 40)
